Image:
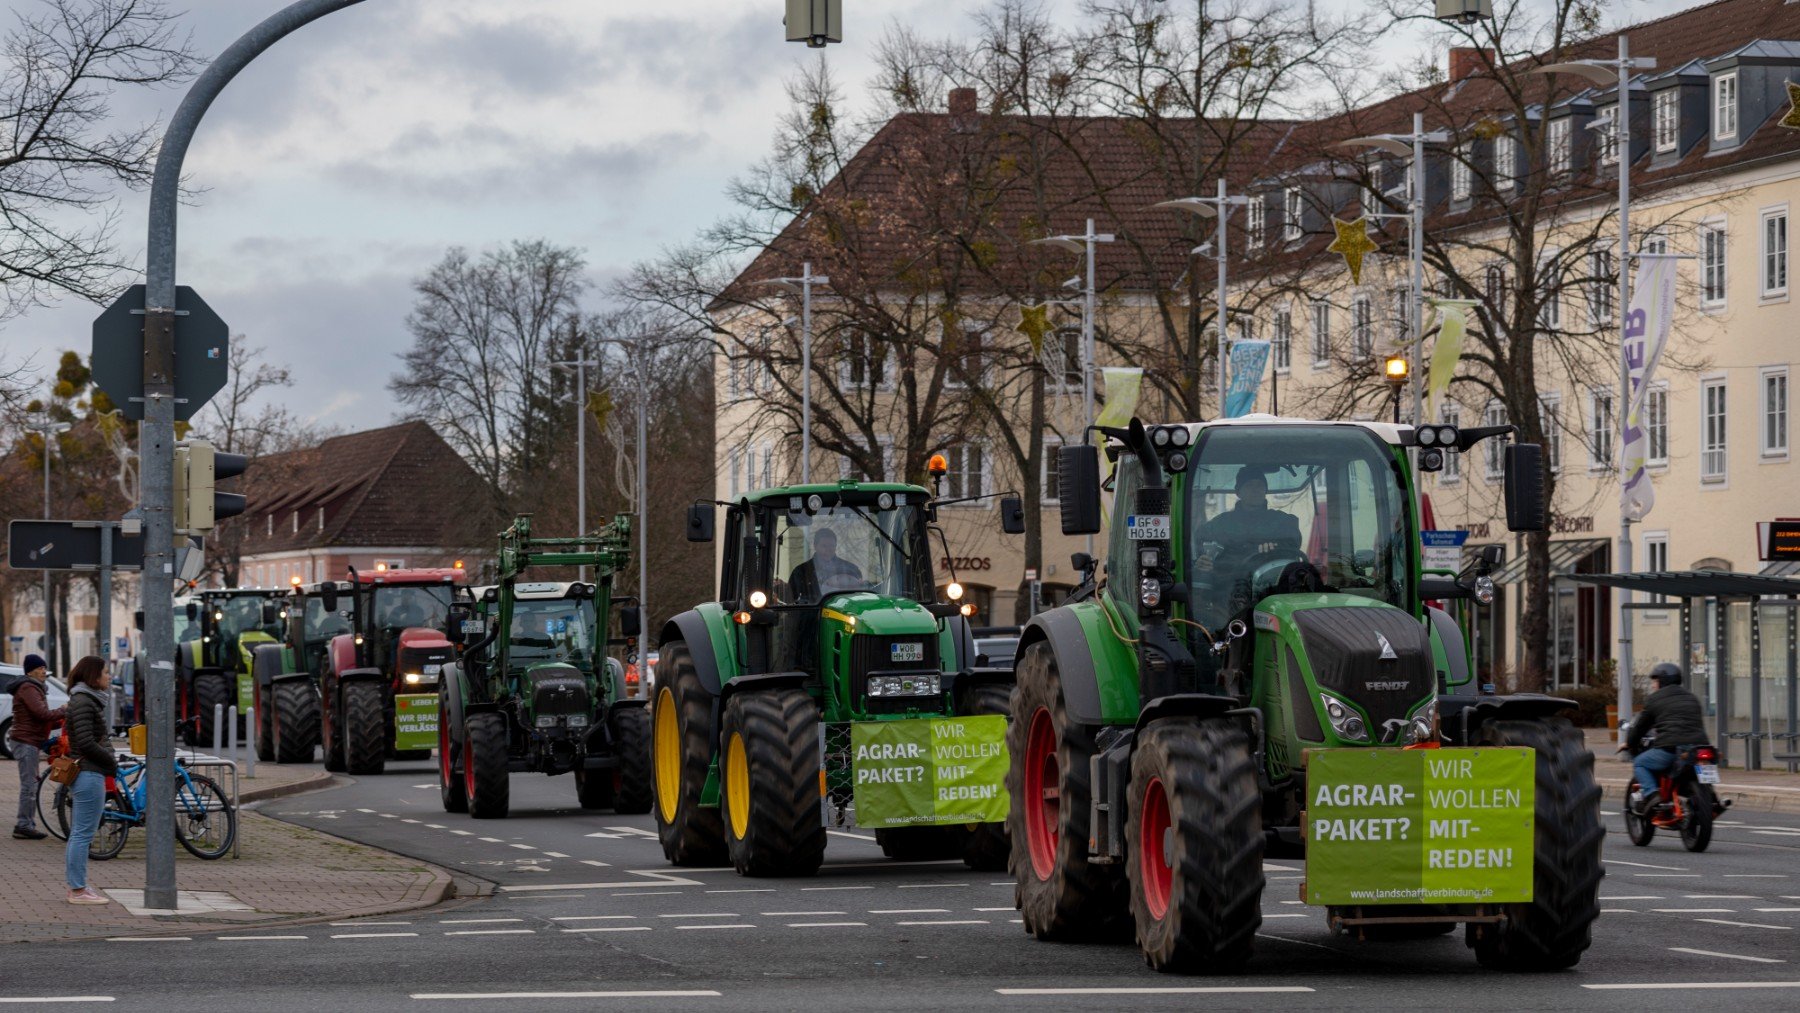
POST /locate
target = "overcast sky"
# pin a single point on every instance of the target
(343, 163)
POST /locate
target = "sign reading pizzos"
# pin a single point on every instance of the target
(415, 721)
(1425, 826)
(929, 771)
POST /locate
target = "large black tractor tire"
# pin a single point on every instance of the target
(365, 728)
(1696, 832)
(1195, 846)
(485, 777)
(634, 790)
(265, 726)
(986, 847)
(681, 749)
(769, 783)
(211, 689)
(1551, 931)
(452, 791)
(1061, 896)
(296, 714)
(331, 730)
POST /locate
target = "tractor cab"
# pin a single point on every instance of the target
(549, 634)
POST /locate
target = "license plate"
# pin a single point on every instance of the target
(434, 669)
(1709, 773)
(1147, 527)
(906, 652)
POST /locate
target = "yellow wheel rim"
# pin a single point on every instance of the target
(666, 741)
(737, 786)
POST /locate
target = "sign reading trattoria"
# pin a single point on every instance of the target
(1419, 826)
(929, 771)
(415, 721)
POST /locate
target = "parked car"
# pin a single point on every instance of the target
(54, 693)
(996, 646)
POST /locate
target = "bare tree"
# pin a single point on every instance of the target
(60, 158)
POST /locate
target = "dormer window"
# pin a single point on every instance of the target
(1557, 140)
(1506, 156)
(1725, 107)
(1606, 130)
(1293, 206)
(1256, 220)
(1665, 121)
(1461, 173)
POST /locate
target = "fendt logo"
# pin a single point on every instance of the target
(1387, 649)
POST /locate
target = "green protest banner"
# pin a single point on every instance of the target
(415, 721)
(929, 771)
(1422, 826)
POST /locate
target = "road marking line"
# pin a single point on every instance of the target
(387, 816)
(1727, 956)
(555, 854)
(1777, 833)
(798, 914)
(1718, 896)
(1664, 986)
(437, 826)
(150, 939)
(828, 925)
(1286, 916)
(57, 998)
(479, 921)
(1302, 902)
(649, 893)
(1618, 911)
(1772, 910)
(1644, 865)
(1667, 875)
(679, 928)
(463, 833)
(1746, 925)
(633, 830)
(596, 863)
(247, 939)
(611, 928)
(1756, 875)
(1692, 910)
(594, 918)
(492, 840)
(651, 878)
(971, 921)
(686, 994)
(721, 915)
(987, 909)
(758, 890)
(339, 925)
(1635, 896)
(365, 810)
(932, 886)
(854, 837)
(912, 911)
(409, 820)
(493, 932)
(1003, 882)
(521, 847)
(1166, 990)
(821, 889)
(373, 935)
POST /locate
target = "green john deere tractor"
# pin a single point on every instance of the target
(829, 687)
(532, 688)
(1257, 673)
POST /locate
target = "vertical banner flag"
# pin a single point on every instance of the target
(1453, 323)
(1248, 360)
(1122, 386)
(1646, 332)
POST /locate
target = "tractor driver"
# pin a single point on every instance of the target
(404, 615)
(1248, 528)
(825, 572)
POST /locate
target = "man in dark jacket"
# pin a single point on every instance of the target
(32, 721)
(1678, 720)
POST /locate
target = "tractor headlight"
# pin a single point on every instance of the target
(578, 721)
(1484, 589)
(414, 678)
(1423, 727)
(758, 599)
(1347, 723)
(904, 685)
(953, 591)
(1178, 436)
(546, 721)
(1150, 592)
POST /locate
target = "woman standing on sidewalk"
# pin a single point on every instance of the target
(89, 742)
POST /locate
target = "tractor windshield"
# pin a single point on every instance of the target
(318, 626)
(556, 629)
(848, 548)
(397, 608)
(1291, 508)
(232, 617)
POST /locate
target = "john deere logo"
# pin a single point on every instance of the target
(1387, 649)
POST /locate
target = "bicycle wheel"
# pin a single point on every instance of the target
(205, 822)
(109, 838)
(53, 807)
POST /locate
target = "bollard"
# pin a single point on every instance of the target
(250, 741)
(231, 732)
(218, 727)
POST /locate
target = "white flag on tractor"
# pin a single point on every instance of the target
(1646, 332)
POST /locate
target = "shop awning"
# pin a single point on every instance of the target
(1564, 556)
(1782, 568)
(1696, 583)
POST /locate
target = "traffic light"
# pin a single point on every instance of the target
(198, 467)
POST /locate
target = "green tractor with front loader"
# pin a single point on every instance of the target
(1255, 672)
(828, 688)
(532, 688)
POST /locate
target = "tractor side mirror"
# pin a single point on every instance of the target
(1012, 515)
(700, 522)
(137, 619)
(328, 597)
(1526, 508)
(631, 621)
(1082, 562)
(1078, 488)
(1487, 558)
(193, 611)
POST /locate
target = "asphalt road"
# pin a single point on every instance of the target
(585, 909)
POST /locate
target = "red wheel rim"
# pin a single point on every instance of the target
(1153, 852)
(469, 779)
(445, 771)
(1043, 794)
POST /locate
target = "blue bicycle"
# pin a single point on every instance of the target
(205, 819)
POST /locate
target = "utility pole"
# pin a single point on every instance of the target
(643, 486)
(48, 430)
(1084, 245)
(581, 393)
(802, 286)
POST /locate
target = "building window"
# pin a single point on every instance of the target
(1774, 252)
(1050, 475)
(1656, 243)
(1494, 285)
(1256, 220)
(968, 362)
(864, 362)
(1321, 333)
(968, 470)
(1557, 140)
(1775, 413)
(1462, 174)
(1600, 295)
(1496, 449)
(1293, 210)
(1550, 417)
(1606, 133)
(1281, 342)
(1399, 299)
(1712, 264)
(1656, 425)
(1665, 121)
(885, 448)
(1506, 160)
(1550, 284)
(1451, 416)
(1712, 430)
(1656, 558)
(1245, 328)
(1600, 428)
(1725, 107)
(1362, 329)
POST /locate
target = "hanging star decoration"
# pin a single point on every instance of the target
(1791, 118)
(1353, 244)
(1034, 323)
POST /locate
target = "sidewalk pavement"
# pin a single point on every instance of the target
(1766, 790)
(286, 873)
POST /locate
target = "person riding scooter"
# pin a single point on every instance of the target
(1678, 720)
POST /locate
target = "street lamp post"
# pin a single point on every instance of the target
(1084, 244)
(581, 390)
(803, 287)
(47, 429)
(1616, 73)
(1218, 209)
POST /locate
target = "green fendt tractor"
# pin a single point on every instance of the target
(828, 688)
(216, 635)
(1257, 673)
(532, 688)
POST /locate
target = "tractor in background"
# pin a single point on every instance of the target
(216, 636)
(532, 688)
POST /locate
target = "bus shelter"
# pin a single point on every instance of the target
(1737, 650)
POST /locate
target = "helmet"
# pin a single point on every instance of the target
(1666, 673)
